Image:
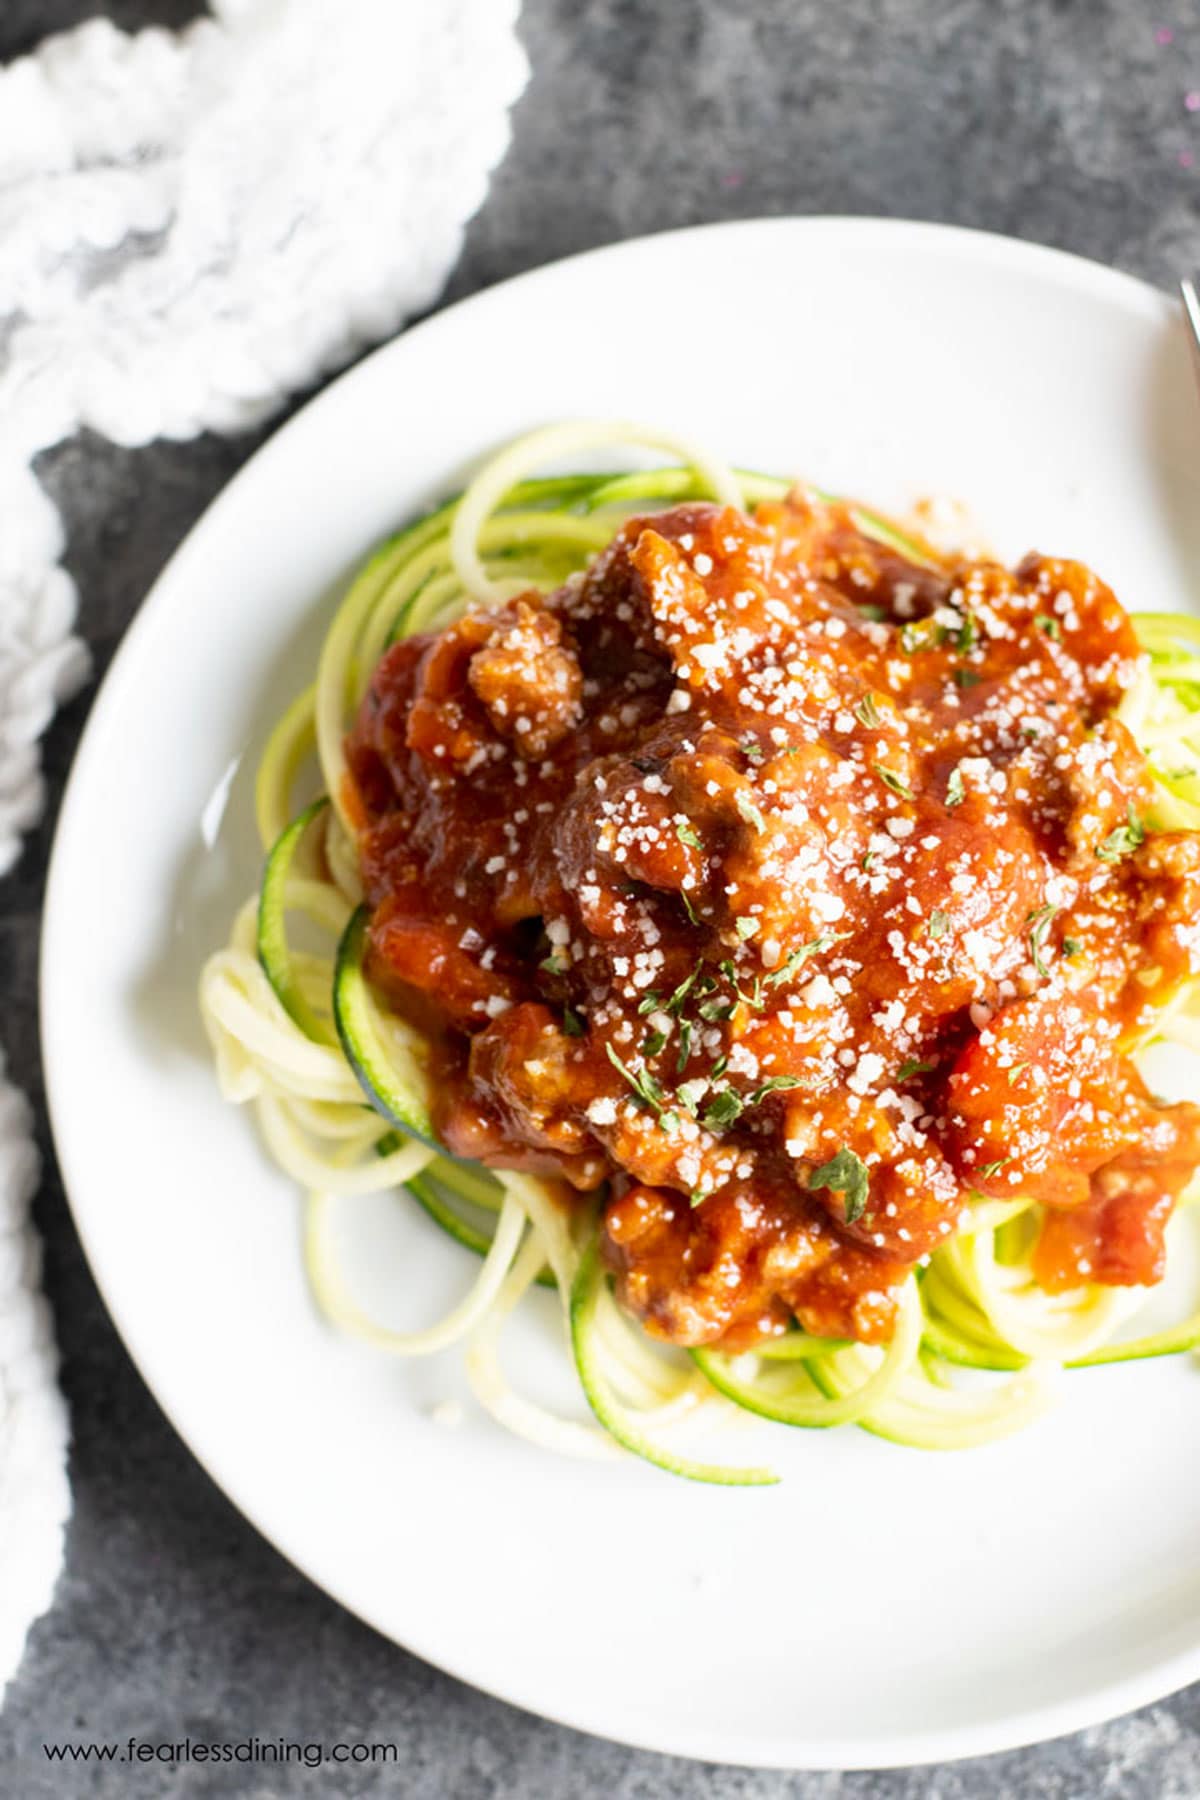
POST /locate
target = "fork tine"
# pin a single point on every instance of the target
(1191, 308)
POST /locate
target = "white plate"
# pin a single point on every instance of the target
(881, 1606)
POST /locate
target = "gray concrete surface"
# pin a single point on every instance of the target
(1058, 120)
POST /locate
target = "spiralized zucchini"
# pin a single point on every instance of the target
(978, 1346)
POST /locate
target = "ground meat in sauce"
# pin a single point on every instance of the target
(758, 843)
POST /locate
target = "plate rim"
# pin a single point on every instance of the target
(1100, 1703)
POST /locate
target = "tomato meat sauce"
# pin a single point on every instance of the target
(798, 889)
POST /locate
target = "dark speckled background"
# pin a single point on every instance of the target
(1057, 120)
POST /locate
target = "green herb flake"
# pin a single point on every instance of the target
(1071, 946)
(674, 1005)
(654, 1043)
(753, 999)
(715, 1012)
(723, 1109)
(968, 635)
(914, 1066)
(797, 957)
(751, 751)
(553, 965)
(685, 831)
(746, 927)
(648, 1005)
(939, 923)
(868, 858)
(870, 610)
(890, 779)
(699, 1194)
(685, 1045)
(967, 678)
(1123, 841)
(956, 793)
(867, 713)
(572, 1024)
(749, 811)
(1039, 925)
(847, 1175)
(994, 1168)
(1050, 626)
(1016, 1072)
(688, 908)
(774, 1084)
(645, 1088)
(719, 1068)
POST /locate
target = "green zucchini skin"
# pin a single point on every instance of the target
(401, 1103)
(273, 952)
(448, 1220)
(615, 1418)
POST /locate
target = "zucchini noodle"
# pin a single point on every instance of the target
(978, 1346)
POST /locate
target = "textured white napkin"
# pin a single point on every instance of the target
(192, 226)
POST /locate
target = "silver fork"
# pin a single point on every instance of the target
(1191, 310)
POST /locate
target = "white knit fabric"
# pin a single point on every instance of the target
(192, 226)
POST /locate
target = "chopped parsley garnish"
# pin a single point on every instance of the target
(719, 1068)
(867, 713)
(685, 1045)
(1050, 626)
(939, 923)
(1015, 1073)
(801, 955)
(870, 610)
(572, 1024)
(967, 678)
(745, 927)
(646, 1089)
(914, 1066)
(847, 1175)
(891, 780)
(968, 634)
(648, 1005)
(714, 1012)
(754, 999)
(868, 858)
(1123, 840)
(751, 751)
(654, 1043)
(956, 793)
(674, 1005)
(690, 1093)
(688, 908)
(774, 1084)
(749, 811)
(553, 964)
(699, 1194)
(1039, 925)
(727, 1106)
(1071, 946)
(686, 833)
(994, 1168)
(723, 1109)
